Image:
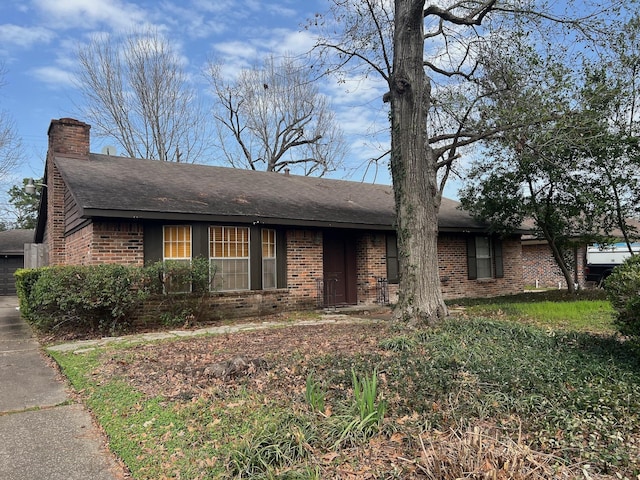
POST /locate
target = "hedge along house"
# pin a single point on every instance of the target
(276, 241)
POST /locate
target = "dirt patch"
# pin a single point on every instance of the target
(183, 369)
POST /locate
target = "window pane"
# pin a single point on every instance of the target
(174, 277)
(482, 247)
(230, 274)
(484, 267)
(268, 243)
(269, 273)
(177, 242)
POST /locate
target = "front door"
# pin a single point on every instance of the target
(340, 280)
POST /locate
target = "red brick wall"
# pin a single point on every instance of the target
(452, 261)
(371, 261)
(226, 305)
(304, 265)
(541, 270)
(118, 242)
(69, 138)
(106, 242)
(78, 246)
(54, 229)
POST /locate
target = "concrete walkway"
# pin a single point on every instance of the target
(44, 435)
(82, 346)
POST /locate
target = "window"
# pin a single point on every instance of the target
(229, 257)
(484, 258)
(177, 251)
(269, 272)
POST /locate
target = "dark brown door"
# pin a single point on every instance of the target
(340, 280)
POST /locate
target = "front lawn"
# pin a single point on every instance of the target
(480, 396)
(584, 311)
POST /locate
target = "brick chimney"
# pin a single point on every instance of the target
(67, 138)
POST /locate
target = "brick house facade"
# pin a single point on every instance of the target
(280, 241)
(540, 270)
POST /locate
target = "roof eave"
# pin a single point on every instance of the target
(245, 219)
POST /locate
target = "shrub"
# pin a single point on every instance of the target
(97, 297)
(186, 285)
(26, 278)
(623, 290)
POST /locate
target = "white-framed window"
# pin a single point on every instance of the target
(269, 270)
(229, 257)
(176, 250)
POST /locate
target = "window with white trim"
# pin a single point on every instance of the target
(269, 270)
(177, 250)
(229, 257)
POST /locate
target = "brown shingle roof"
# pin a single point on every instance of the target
(12, 241)
(108, 186)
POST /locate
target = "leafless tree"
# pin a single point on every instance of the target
(429, 54)
(11, 151)
(136, 92)
(274, 117)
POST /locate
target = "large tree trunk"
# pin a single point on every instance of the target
(413, 170)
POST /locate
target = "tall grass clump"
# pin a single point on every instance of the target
(278, 444)
(314, 394)
(365, 392)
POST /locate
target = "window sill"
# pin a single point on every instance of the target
(486, 280)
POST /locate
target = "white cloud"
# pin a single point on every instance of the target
(283, 41)
(87, 14)
(53, 76)
(217, 6)
(24, 37)
(195, 21)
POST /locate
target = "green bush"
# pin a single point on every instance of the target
(623, 290)
(186, 285)
(26, 278)
(104, 297)
(99, 297)
(173, 276)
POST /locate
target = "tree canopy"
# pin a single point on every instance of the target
(436, 61)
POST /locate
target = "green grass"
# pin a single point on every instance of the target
(581, 315)
(549, 382)
(585, 312)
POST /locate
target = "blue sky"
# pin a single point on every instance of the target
(38, 40)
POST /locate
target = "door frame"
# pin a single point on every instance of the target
(339, 254)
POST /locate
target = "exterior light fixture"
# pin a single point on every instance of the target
(31, 186)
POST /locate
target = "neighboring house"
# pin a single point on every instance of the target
(12, 247)
(541, 270)
(277, 241)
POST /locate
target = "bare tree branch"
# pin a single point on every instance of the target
(274, 114)
(136, 93)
